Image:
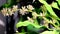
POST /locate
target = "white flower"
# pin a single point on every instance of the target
(30, 7)
(10, 11)
(4, 11)
(24, 8)
(15, 8)
(23, 11)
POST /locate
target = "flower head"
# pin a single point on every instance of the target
(15, 8)
(23, 11)
(30, 7)
(10, 11)
(4, 11)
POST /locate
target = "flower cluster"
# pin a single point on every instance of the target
(9, 11)
(23, 10)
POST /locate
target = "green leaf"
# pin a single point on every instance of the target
(55, 5)
(21, 33)
(26, 23)
(50, 32)
(49, 8)
(7, 4)
(58, 2)
(32, 28)
(9, 1)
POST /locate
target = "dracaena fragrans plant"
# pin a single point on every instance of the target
(44, 20)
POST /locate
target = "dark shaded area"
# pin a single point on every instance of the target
(50, 26)
(2, 24)
(57, 12)
(36, 4)
(26, 15)
(50, 1)
(11, 23)
(40, 21)
(2, 29)
(25, 2)
(33, 30)
(23, 27)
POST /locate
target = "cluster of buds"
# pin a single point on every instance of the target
(30, 7)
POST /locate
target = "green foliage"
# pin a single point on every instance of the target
(50, 32)
(58, 2)
(26, 23)
(9, 3)
(49, 8)
(45, 14)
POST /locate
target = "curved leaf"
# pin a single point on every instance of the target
(26, 23)
(49, 8)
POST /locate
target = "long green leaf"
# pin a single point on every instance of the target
(49, 8)
(26, 23)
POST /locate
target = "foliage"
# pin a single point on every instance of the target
(51, 14)
(44, 14)
(50, 32)
(9, 3)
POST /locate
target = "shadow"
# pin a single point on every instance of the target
(2, 24)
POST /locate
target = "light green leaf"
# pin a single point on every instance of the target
(50, 32)
(21, 33)
(26, 23)
(58, 2)
(49, 8)
(55, 5)
(47, 32)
